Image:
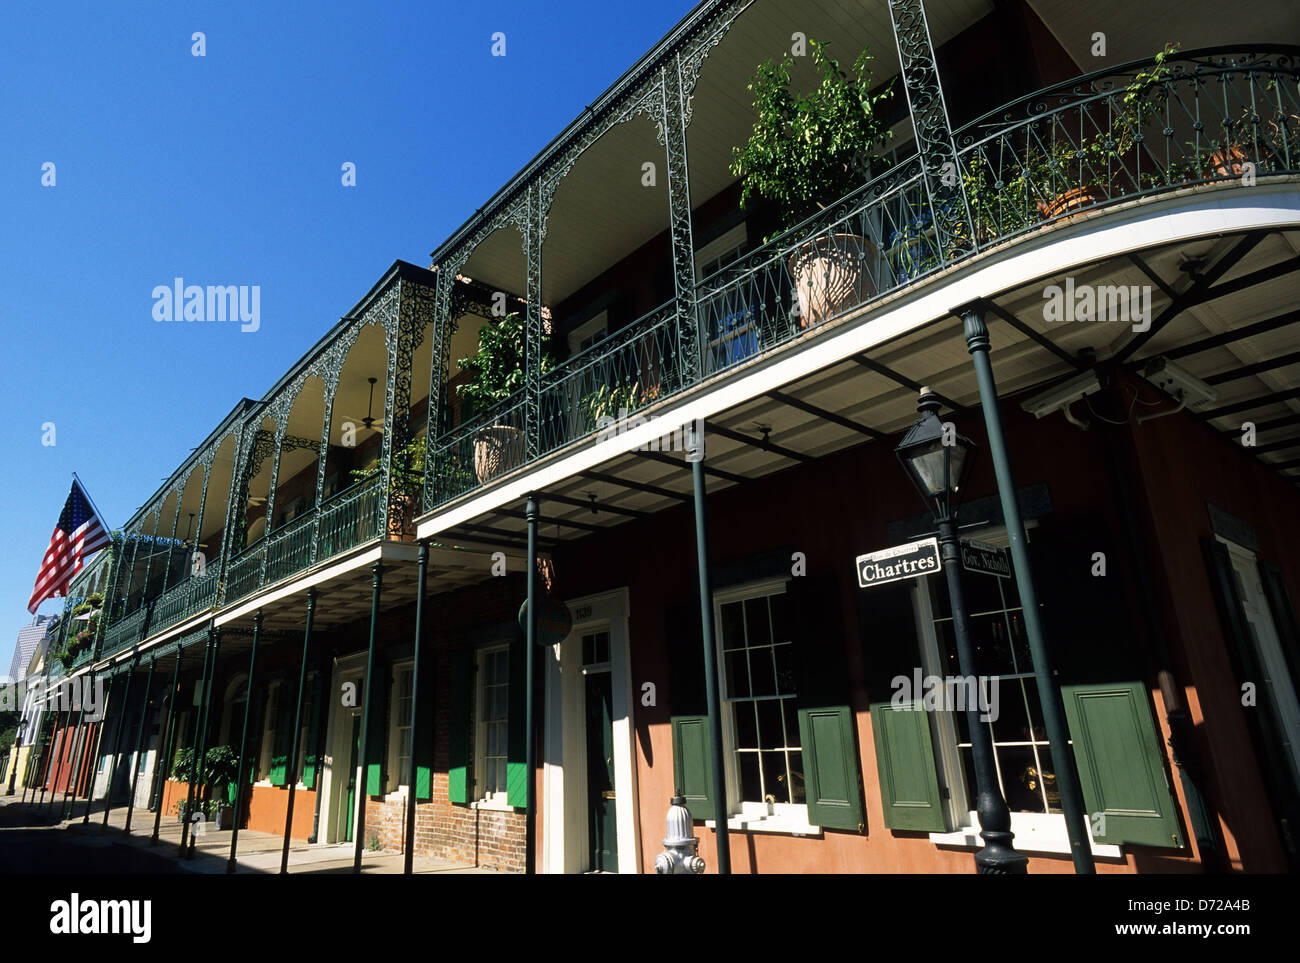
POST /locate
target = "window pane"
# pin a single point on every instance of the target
(731, 626)
(746, 726)
(769, 724)
(1022, 782)
(775, 779)
(796, 778)
(762, 675)
(750, 787)
(737, 672)
(757, 626)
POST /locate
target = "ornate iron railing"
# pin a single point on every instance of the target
(351, 517)
(187, 598)
(125, 632)
(289, 548)
(484, 447)
(601, 386)
(244, 574)
(1231, 114)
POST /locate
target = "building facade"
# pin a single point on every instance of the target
(338, 599)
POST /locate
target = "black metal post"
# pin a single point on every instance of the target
(240, 785)
(376, 583)
(65, 746)
(421, 579)
(74, 760)
(117, 740)
(52, 767)
(139, 746)
(167, 734)
(291, 764)
(1067, 779)
(97, 749)
(196, 760)
(998, 857)
(321, 731)
(205, 702)
(530, 644)
(696, 457)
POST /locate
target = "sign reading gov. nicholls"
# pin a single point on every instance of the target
(902, 561)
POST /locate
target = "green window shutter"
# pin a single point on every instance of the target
(692, 756)
(692, 767)
(284, 711)
(377, 736)
(313, 727)
(422, 738)
(831, 776)
(905, 766)
(909, 785)
(462, 678)
(1121, 767)
(516, 732)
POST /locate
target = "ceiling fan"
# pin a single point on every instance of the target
(369, 422)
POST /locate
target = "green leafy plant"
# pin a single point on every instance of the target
(408, 468)
(497, 368)
(808, 150)
(610, 402)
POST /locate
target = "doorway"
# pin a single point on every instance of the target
(602, 798)
(353, 761)
(589, 794)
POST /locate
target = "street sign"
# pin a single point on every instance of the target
(984, 558)
(902, 561)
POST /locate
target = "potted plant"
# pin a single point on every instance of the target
(608, 404)
(406, 479)
(497, 371)
(807, 151)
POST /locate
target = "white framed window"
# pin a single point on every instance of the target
(764, 757)
(399, 761)
(721, 251)
(590, 332)
(491, 718)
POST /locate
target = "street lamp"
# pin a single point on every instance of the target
(938, 461)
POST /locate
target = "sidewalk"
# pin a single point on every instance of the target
(40, 826)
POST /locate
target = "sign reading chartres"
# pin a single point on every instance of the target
(984, 558)
(902, 561)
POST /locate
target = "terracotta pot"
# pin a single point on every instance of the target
(1071, 200)
(830, 276)
(1227, 163)
(497, 450)
(401, 523)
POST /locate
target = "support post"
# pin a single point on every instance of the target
(241, 785)
(168, 732)
(201, 731)
(98, 748)
(944, 187)
(195, 761)
(421, 579)
(531, 515)
(1067, 779)
(696, 457)
(319, 735)
(291, 764)
(74, 760)
(139, 743)
(51, 775)
(117, 740)
(376, 584)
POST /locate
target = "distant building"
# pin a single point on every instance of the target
(29, 637)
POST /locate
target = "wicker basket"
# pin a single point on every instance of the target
(830, 276)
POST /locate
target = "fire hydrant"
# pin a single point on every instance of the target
(679, 856)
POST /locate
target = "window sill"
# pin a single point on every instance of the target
(493, 805)
(767, 824)
(1034, 833)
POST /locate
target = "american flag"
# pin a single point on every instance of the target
(79, 534)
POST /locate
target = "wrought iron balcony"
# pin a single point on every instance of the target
(1159, 125)
(189, 597)
(125, 632)
(348, 519)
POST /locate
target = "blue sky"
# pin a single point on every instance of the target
(226, 169)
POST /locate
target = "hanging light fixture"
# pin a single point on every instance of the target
(368, 420)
